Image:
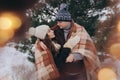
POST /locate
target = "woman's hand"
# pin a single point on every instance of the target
(70, 58)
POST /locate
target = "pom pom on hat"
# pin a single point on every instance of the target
(40, 31)
(63, 13)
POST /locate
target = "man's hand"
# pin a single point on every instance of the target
(70, 58)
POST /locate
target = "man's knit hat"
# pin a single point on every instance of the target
(63, 13)
(39, 32)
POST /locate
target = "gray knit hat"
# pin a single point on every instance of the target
(39, 32)
(63, 13)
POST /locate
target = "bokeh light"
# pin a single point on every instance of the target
(118, 26)
(115, 50)
(9, 23)
(5, 35)
(107, 74)
(5, 23)
(12, 19)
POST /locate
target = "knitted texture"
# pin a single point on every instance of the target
(63, 13)
(40, 31)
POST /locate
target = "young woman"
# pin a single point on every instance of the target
(47, 53)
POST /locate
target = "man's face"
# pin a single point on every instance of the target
(51, 34)
(63, 24)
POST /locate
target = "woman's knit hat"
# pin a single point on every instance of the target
(39, 32)
(63, 13)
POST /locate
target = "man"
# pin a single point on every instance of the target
(82, 63)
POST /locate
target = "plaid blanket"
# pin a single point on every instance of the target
(45, 66)
(80, 41)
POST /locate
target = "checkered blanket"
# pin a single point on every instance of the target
(80, 42)
(46, 68)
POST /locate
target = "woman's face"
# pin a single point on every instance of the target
(51, 34)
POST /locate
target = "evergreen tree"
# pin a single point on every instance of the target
(80, 12)
(26, 47)
(79, 9)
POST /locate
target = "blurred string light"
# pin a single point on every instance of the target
(115, 50)
(9, 20)
(13, 21)
(9, 23)
(107, 73)
(5, 23)
(118, 26)
(115, 46)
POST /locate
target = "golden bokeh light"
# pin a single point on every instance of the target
(13, 20)
(107, 74)
(9, 23)
(16, 23)
(5, 23)
(118, 26)
(115, 50)
(5, 35)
